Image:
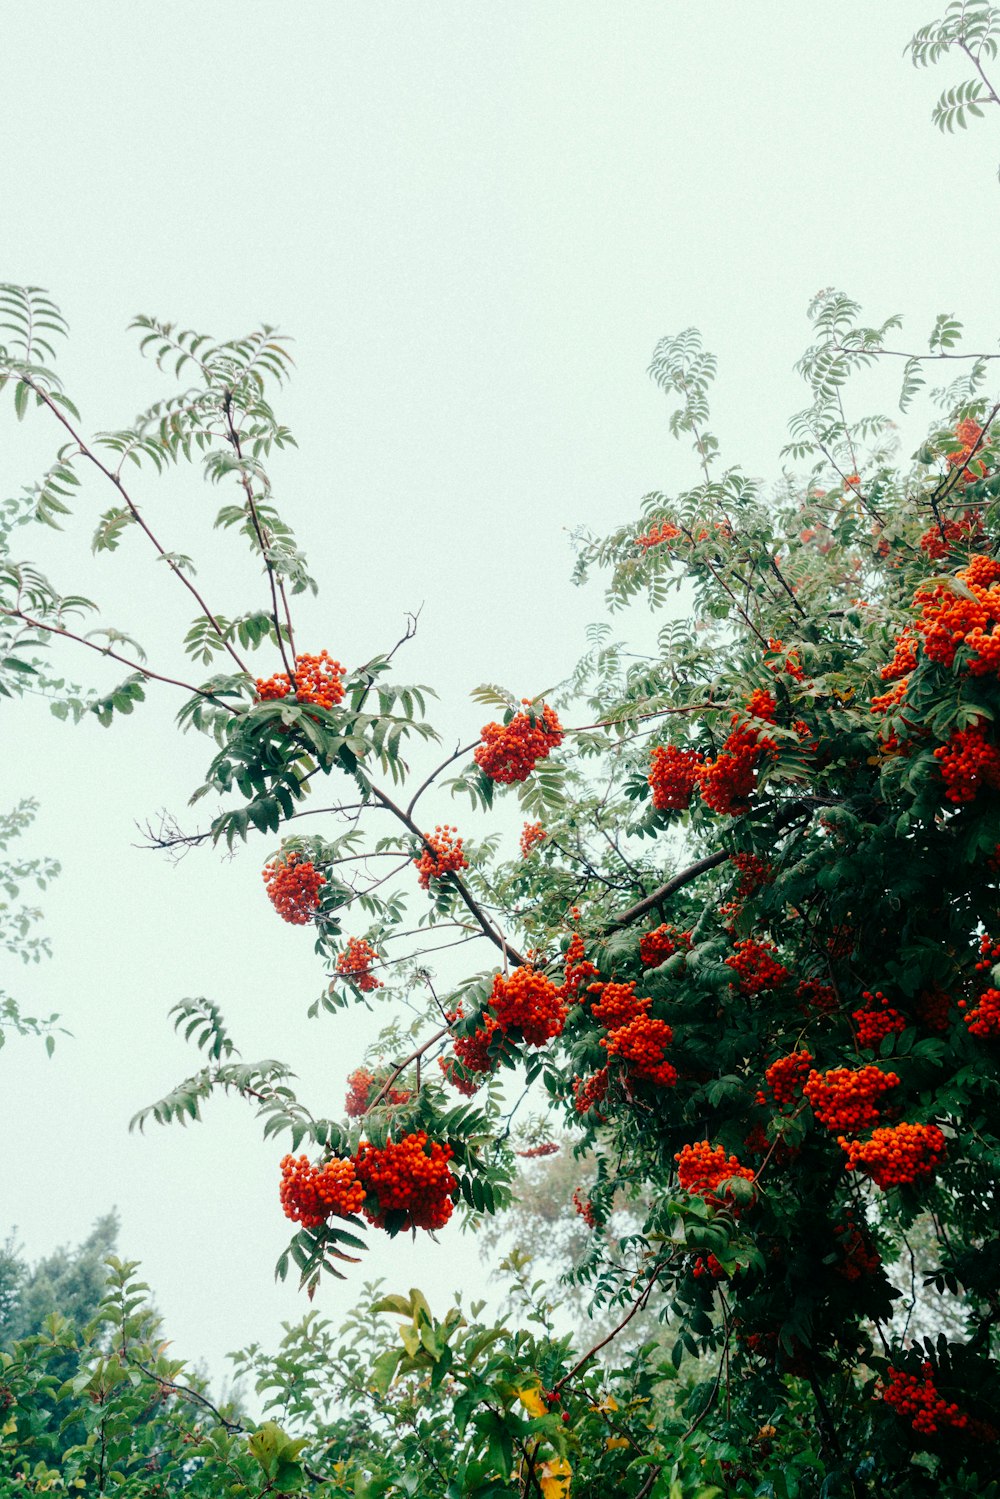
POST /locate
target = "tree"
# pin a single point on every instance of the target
(748, 953)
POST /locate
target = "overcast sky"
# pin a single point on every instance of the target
(476, 220)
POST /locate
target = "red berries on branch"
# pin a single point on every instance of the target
(531, 834)
(672, 777)
(969, 764)
(363, 1086)
(641, 1044)
(787, 1076)
(703, 1168)
(311, 1194)
(661, 943)
(877, 1020)
(846, 1100)
(529, 1003)
(726, 782)
(897, 1156)
(318, 680)
(590, 1091)
(917, 1400)
(984, 1019)
(293, 884)
(756, 966)
(657, 535)
(444, 855)
(472, 1052)
(355, 963)
(510, 751)
(410, 1176)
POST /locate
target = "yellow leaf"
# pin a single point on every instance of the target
(554, 1478)
(531, 1398)
(609, 1403)
(614, 1442)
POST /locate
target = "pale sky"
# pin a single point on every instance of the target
(476, 220)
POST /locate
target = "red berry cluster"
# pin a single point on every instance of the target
(657, 535)
(361, 1084)
(933, 1007)
(528, 1002)
(860, 1255)
(756, 966)
(969, 764)
(673, 773)
(473, 1051)
(753, 871)
(576, 968)
(726, 782)
(590, 1091)
(787, 1076)
(702, 1168)
(790, 663)
(937, 541)
(535, 1152)
(846, 1100)
(355, 963)
(510, 751)
(615, 1004)
(877, 1020)
(984, 1019)
(318, 679)
(641, 1044)
(443, 855)
(293, 884)
(904, 657)
(917, 1400)
(409, 1176)
(762, 704)
(814, 995)
(661, 943)
(708, 1266)
(897, 1156)
(531, 834)
(309, 1194)
(585, 1208)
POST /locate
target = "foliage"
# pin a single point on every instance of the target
(747, 958)
(18, 922)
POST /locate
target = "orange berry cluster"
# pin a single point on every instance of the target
(473, 1051)
(615, 1004)
(589, 1092)
(756, 966)
(984, 1019)
(442, 856)
(360, 1085)
(917, 1400)
(510, 751)
(576, 968)
(657, 535)
(726, 782)
(585, 1208)
(409, 1176)
(877, 1020)
(702, 1168)
(786, 1077)
(528, 1002)
(531, 834)
(896, 1156)
(845, 1100)
(904, 657)
(937, 541)
(309, 1194)
(293, 884)
(661, 943)
(641, 1044)
(969, 763)
(672, 776)
(355, 963)
(762, 704)
(317, 680)
(790, 664)
(753, 871)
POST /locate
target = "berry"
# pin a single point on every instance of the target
(509, 751)
(897, 1156)
(576, 968)
(969, 764)
(310, 1194)
(984, 1020)
(589, 1092)
(585, 1208)
(641, 1044)
(443, 855)
(672, 776)
(877, 1020)
(409, 1176)
(616, 1005)
(657, 535)
(531, 834)
(756, 967)
(355, 962)
(753, 871)
(293, 884)
(317, 680)
(845, 1100)
(702, 1168)
(529, 1003)
(660, 944)
(814, 995)
(362, 1086)
(786, 1077)
(917, 1400)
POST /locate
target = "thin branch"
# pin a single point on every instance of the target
(637, 1306)
(463, 750)
(133, 510)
